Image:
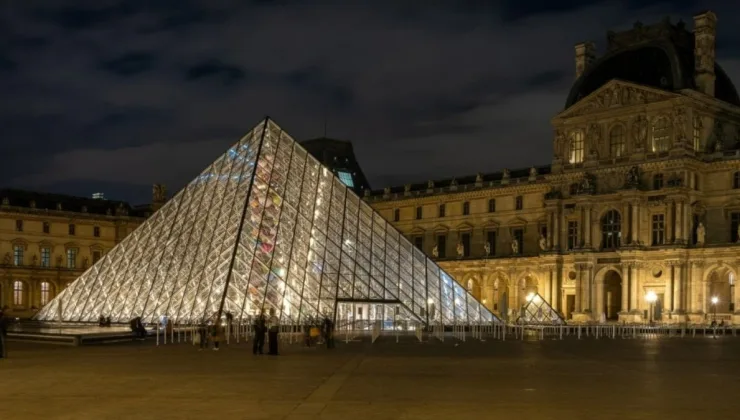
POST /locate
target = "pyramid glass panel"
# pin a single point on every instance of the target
(265, 228)
(538, 311)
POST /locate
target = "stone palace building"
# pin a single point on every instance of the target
(642, 198)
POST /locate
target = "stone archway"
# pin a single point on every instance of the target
(501, 293)
(720, 284)
(612, 295)
(528, 285)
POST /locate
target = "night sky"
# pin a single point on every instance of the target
(113, 96)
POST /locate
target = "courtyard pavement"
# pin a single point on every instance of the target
(588, 379)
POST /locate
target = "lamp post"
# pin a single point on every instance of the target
(651, 297)
(715, 300)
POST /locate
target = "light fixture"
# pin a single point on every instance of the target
(651, 297)
(530, 296)
(715, 300)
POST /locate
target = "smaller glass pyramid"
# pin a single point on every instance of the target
(538, 311)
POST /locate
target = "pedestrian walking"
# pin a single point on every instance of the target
(274, 327)
(260, 328)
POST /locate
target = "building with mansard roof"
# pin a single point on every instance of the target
(636, 218)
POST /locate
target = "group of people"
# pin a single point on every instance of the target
(315, 328)
(263, 326)
(104, 321)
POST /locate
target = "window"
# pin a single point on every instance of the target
(96, 256)
(519, 236)
(491, 238)
(442, 246)
(96, 231)
(734, 222)
(657, 181)
(17, 293)
(72, 258)
(44, 293)
(492, 205)
(519, 202)
(418, 213)
(466, 208)
(46, 227)
(617, 143)
(46, 256)
(72, 229)
(19, 225)
(419, 242)
(396, 215)
(442, 210)
(611, 230)
(661, 134)
(17, 255)
(346, 178)
(736, 180)
(576, 147)
(697, 133)
(572, 235)
(465, 239)
(658, 229)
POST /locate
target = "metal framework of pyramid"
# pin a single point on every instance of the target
(538, 311)
(264, 226)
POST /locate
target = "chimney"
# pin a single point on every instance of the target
(585, 56)
(705, 36)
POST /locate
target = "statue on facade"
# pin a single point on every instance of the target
(387, 192)
(6, 259)
(639, 132)
(59, 260)
(633, 178)
(460, 250)
(594, 134)
(435, 251)
(34, 259)
(84, 263)
(679, 124)
(515, 246)
(543, 242)
(532, 174)
(506, 176)
(700, 234)
(430, 184)
(487, 248)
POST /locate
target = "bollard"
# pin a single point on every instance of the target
(561, 332)
(579, 332)
(157, 333)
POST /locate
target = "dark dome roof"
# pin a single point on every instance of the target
(658, 63)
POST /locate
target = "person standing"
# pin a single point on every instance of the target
(274, 325)
(329, 332)
(203, 336)
(3, 333)
(217, 334)
(259, 334)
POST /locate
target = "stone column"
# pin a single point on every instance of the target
(550, 231)
(635, 218)
(668, 293)
(679, 223)
(625, 288)
(634, 289)
(556, 229)
(579, 289)
(591, 290)
(678, 305)
(687, 221)
(626, 223)
(587, 225)
(669, 222)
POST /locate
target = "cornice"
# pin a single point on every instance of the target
(482, 192)
(66, 215)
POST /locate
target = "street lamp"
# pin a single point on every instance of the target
(715, 300)
(651, 297)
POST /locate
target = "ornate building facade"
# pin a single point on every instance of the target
(638, 216)
(48, 240)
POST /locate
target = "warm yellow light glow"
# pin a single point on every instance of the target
(530, 297)
(651, 297)
(715, 300)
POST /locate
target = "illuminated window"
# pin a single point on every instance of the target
(71, 257)
(572, 235)
(44, 293)
(46, 256)
(697, 133)
(18, 293)
(17, 255)
(576, 147)
(617, 143)
(658, 229)
(346, 178)
(661, 134)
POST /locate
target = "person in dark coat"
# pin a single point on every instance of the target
(260, 328)
(272, 332)
(329, 332)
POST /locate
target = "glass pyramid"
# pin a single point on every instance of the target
(264, 226)
(538, 311)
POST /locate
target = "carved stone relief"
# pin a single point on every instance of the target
(639, 132)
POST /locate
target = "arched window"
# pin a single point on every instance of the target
(44, 293)
(661, 135)
(617, 143)
(611, 230)
(17, 293)
(576, 147)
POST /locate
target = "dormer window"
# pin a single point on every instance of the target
(661, 135)
(617, 143)
(575, 152)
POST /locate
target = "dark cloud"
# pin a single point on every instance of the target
(115, 95)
